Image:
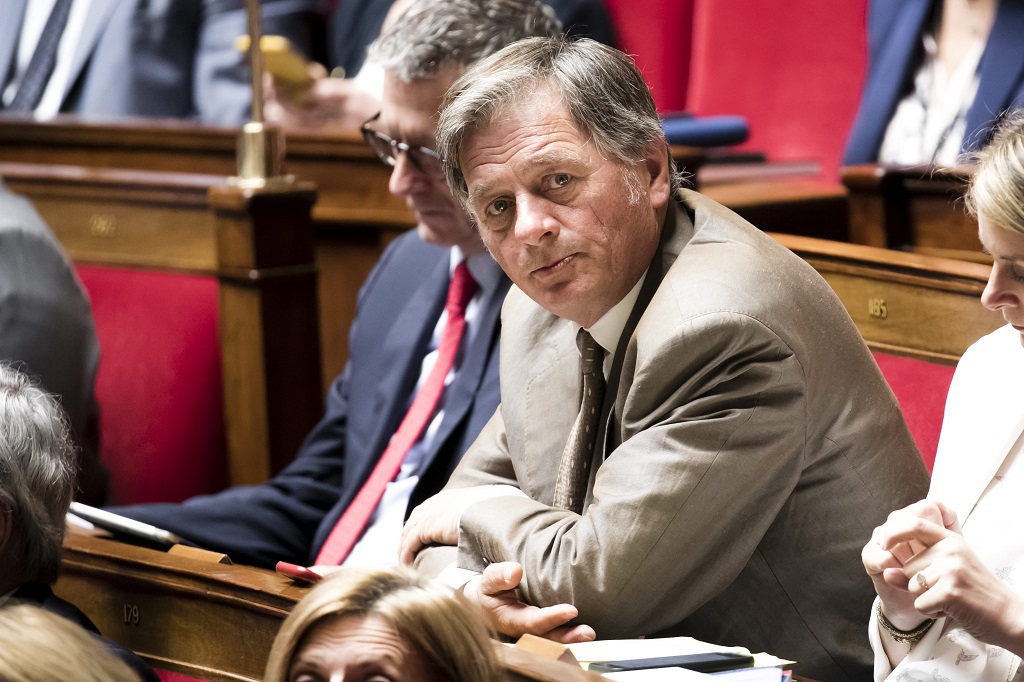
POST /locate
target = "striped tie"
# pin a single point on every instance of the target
(40, 67)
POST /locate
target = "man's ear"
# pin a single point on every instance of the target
(656, 162)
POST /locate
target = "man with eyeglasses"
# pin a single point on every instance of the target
(422, 376)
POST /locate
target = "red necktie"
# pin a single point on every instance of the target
(350, 526)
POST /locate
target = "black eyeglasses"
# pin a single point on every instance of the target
(424, 159)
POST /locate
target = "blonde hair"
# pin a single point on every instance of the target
(38, 646)
(997, 188)
(440, 625)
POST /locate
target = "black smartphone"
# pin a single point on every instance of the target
(704, 663)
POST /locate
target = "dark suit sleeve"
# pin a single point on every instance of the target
(46, 328)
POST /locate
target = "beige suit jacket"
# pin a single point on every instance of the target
(751, 446)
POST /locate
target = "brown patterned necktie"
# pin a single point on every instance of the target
(574, 469)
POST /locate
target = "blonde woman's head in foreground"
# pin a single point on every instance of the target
(384, 624)
(996, 197)
(38, 646)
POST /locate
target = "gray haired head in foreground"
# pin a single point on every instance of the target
(435, 33)
(602, 89)
(37, 479)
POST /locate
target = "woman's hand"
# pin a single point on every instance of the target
(929, 571)
(885, 557)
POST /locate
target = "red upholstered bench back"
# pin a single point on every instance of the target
(168, 676)
(159, 385)
(794, 69)
(657, 33)
(921, 389)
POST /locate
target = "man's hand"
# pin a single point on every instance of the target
(495, 591)
(338, 103)
(436, 521)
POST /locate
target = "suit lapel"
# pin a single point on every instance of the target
(677, 231)
(895, 59)
(10, 29)
(406, 343)
(988, 421)
(97, 19)
(1000, 71)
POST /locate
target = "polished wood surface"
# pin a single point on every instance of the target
(206, 619)
(800, 206)
(909, 304)
(258, 244)
(919, 208)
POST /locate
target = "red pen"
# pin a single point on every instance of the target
(299, 573)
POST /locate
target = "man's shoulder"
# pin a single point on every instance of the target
(735, 261)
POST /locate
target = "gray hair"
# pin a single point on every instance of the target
(37, 477)
(997, 188)
(436, 33)
(601, 87)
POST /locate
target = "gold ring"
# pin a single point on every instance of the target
(922, 581)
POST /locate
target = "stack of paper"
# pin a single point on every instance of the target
(766, 668)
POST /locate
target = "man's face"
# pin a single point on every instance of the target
(558, 217)
(409, 114)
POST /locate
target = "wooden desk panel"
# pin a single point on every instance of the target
(907, 304)
(156, 220)
(799, 206)
(204, 619)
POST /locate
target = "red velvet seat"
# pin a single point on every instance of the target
(793, 69)
(159, 385)
(657, 34)
(921, 389)
(168, 676)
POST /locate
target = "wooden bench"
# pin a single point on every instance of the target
(197, 249)
(207, 620)
(918, 208)
(918, 313)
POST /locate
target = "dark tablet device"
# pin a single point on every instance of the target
(128, 530)
(704, 663)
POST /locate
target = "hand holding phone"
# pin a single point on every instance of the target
(281, 60)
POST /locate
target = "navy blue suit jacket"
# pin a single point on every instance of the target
(357, 23)
(289, 517)
(895, 28)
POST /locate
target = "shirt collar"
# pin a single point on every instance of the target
(485, 271)
(607, 330)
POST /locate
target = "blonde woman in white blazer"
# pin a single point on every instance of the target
(949, 570)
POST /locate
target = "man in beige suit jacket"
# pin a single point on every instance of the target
(748, 443)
